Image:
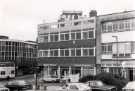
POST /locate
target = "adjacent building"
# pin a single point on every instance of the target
(83, 45)
(118, 43)
(22, 53)
(69, 45)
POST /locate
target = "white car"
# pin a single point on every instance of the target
(75, 87)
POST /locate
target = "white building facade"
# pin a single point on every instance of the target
(118, 43)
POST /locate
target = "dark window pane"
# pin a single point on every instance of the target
(66, 36)
(85, 52)
(55, 52)
(78, 35)
(72, 52)
(66, 52)
(62, 37)
(73, 36)
(51, 38)
(51, 53)
(91, 35)
(85, 35)
(61, 52)
(46, 38)
(78, 52)
(91, 52)
(56, 37)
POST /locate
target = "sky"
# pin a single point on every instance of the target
(19, 18)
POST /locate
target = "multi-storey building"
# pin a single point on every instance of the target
(22, 53)
(69, 45)
(118, 43)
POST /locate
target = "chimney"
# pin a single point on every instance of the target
(93, 13)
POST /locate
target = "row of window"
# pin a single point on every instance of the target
(67, 52)
(78, 35)
(4, 72)
(68, 24)
(119, 48)
(118, 26)
(75, 23)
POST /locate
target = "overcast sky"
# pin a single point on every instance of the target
(19, 18)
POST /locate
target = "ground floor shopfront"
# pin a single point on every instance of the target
(55, 70)
(124, 68)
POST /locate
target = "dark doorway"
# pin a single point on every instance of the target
(131, 74)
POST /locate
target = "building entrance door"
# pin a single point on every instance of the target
(131, 74)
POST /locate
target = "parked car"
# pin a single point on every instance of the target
(49, 79)
(18, 84)
(75, 87)
(3, 88)
(100, 86)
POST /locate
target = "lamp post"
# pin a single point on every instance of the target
(117, 49)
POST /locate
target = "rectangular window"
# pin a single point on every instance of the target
(62, 52)
(121, 26)
(62, 25)
(46, 38)
(55, 53)
(110, 28)
(2, 72)
(78, 52)
(104, 28)
(51, 53)
(78, 35)
(85, 35)
(62, 37)
(91, 52)
(66, 52)
(73, 35)
(51, 38)
(115, 27)
(56, 37)
(67, 36)
(73, 52)
(85, 52)
(12, 72)
(45, 53)
(107, 48)
(91, 34)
